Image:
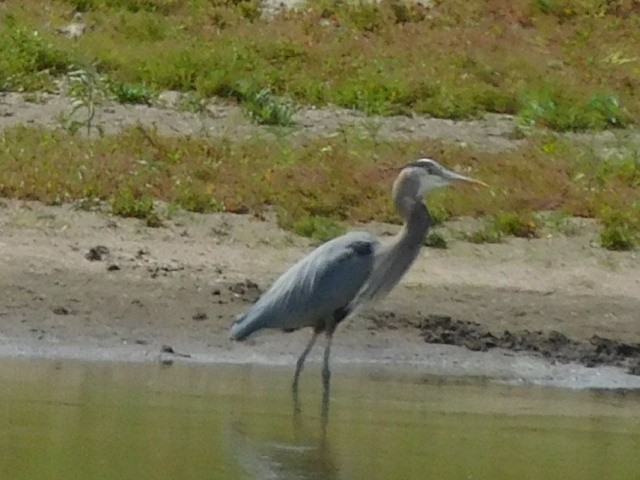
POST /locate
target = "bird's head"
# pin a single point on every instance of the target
(426, 174)
(420, 177)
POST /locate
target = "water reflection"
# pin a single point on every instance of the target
(305, 456)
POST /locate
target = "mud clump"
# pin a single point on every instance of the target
(551, 344)
(247, 290)
(97, 253)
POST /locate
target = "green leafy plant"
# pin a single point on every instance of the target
(28, 62)
(621, 227)
(88, 89)
(130, 92)
(264, 108)
(435, 239)
(128, 203)
(561, 111)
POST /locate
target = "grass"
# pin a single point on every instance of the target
(319, 185)
(570, 65)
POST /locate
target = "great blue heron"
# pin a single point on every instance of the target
(340, 276)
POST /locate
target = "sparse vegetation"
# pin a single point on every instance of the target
(316, 227)
(266, 109)
(321, 184)
(488, 233)
(565, 65)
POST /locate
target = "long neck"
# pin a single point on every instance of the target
(417, 222)
(405, 247)
(395, 258)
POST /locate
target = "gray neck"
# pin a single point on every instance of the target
(416, 225)
(396, 258)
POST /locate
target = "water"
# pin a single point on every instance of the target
(76, 420)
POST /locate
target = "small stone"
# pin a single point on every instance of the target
(59, 310)
(200, 316)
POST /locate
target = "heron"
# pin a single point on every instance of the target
(341, 276)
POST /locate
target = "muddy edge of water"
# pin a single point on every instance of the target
(552, 345)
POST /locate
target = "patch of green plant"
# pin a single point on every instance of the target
(621, 228)
(265, 108)
(435, 239)
(488, 233)
(317, 227)
(135, 93)
(517, 224)
(128, 203)
(561, 111)
(88, 89)
(28, 62)
(197, 200)
(502, 224)
(559, 222)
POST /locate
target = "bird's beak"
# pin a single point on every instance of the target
(452, 176)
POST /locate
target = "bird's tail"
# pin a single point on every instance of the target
(247, 323)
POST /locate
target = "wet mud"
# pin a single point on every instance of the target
(553, 345)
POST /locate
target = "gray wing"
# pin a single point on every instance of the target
(315, 288)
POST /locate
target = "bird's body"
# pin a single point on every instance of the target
(316, 290)
(348, 272)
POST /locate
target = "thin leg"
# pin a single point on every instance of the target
(326, 372)
(326, 382)
(300, 364)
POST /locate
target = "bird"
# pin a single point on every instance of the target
(342, 275)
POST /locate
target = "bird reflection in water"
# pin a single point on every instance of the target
(307, 456)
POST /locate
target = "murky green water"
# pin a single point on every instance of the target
(72, 420)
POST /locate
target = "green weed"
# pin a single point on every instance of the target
(517, 224)
(28, 62)
(621, 227)
(488, 233)
(317, 227)
(559, 111)
(88, 89)
(435, 239)
(129, 203)
(264, 108)
(194, 199)
(130, 92)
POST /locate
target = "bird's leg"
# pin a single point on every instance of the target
(326, 380)
(299, 367)
(326, 372)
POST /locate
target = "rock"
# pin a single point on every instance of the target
(59, 310)
(75, 29)
(170, 98)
